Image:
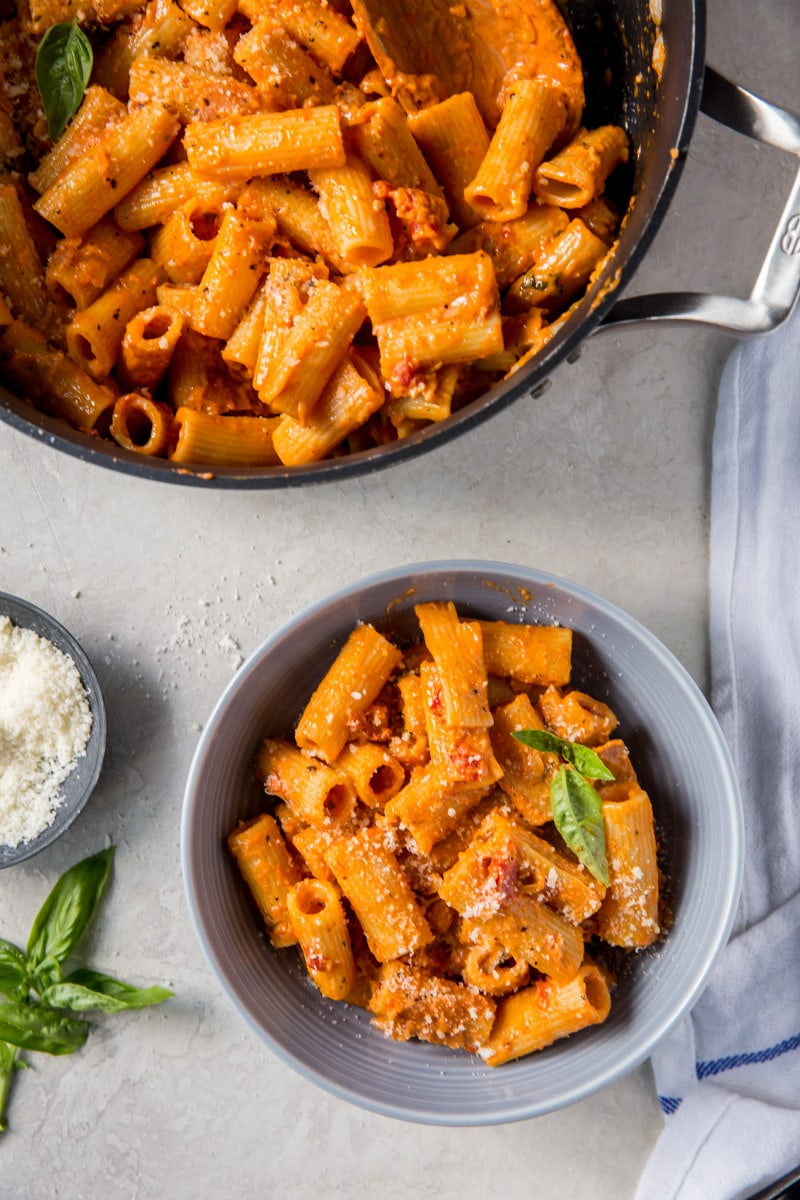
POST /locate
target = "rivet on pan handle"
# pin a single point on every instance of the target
(778, 282)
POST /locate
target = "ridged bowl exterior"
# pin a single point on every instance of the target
(682, 760)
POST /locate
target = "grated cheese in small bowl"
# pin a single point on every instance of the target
(52, 730)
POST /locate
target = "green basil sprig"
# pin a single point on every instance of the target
(578, 814)
(63, 66)
(576, 807)
(36, 998)
(582, 758)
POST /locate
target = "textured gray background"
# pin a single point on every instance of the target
(604, 479)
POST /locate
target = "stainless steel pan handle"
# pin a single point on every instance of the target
(778, 282)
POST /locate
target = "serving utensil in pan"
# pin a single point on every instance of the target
(657, 98)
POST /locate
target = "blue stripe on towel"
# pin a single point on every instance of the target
(716, 1066)
(670, 1104)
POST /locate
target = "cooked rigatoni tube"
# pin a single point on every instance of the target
(84, 267)
(577, 717)
(232, 274)
(578, 173)
(314, 347)
(461, 754)
(532, 118)
(22, 276)
(207, 439)
(178, 298)
(62, 387)
(348, 401)
(148, 346)
(614, 755)
(513, 246)
(386, 144)
(454, 140)
(298, 214)
(409, 1001)
(183, 245)
(94, 335)
(377, 776)
(491, 968)
(98, 110)
(546, 1011)
(312, 845)
(406, 289)
(484, 876)
(351, 683)
(160, 193)
(317, 793)
(542, 871)
(323, 31)
(266, 143)
(530, 930)
(268, 870)
(285, 293)
(376, 886)
(108, 168)
(431, 807)
(433, 403)
(142, 424)
(561, 271)
(320, 926)
(524, 778)
(457, 649)
(411, 346)
(533, 654)
(240, 351)
(198, 377)
(285, 75)
(358, 221)
(214, 14)
(195, 95)
(629, 913)
(601, 217)
(159, 32)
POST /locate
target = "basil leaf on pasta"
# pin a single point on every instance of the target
(63, 66)
(578, 814)
(582, 758)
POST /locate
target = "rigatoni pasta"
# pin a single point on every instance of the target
(440, 238)
(436, 885)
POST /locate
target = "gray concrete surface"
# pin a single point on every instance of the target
(604, 480)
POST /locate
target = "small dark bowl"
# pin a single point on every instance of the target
(79, 785)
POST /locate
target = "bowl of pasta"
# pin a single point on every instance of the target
(461, 842)
(274, 244)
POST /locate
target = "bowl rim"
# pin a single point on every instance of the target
(18, 611)
(726, 906)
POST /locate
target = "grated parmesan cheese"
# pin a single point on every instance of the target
(45, 722)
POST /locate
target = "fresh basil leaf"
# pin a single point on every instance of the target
(45, 974)
(8, 1065)
(13, 971)
(63, 66)
(578, 814)
(582, 758)
(37, 1027)
(68, 909)
(85, 990)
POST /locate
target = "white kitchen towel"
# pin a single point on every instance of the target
(729, 1076)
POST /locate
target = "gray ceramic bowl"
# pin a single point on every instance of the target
(679, 752)
(80, 784)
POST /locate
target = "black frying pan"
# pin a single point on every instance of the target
(616, 40)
